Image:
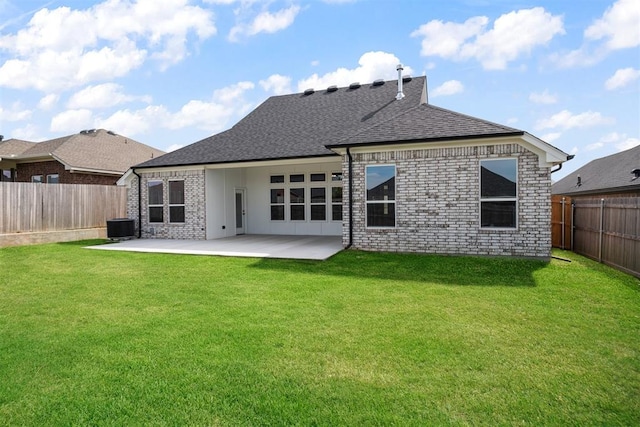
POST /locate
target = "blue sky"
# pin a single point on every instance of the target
(171, 72)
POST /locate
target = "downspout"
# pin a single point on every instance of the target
(350, 160)
(139, 202)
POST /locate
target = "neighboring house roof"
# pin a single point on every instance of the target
(99, 151)
(315, 124)
(608, 174)
(14, 147)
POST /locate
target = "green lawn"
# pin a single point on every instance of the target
(108, 338)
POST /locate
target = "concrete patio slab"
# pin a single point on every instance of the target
(248, 245)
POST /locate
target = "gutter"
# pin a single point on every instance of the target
(350, 160)
(139, 202)
(569, 157)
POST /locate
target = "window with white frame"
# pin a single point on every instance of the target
(381, 195)
(336, 203)
(37, 178)
(53, 178)
(176, 201)
(277, 204)
(156, 200)
(498, 193)
(318, 204)
(296, 204)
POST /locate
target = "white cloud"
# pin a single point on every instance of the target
(225, 106)
(627, 144)
(72, 121)
(550, 137)
(565, 119)
(450, 87)
(315, 63)
(102, 96)
(265, 22)
(29, 132)
(14, 114)
(594, 146)
(622, 78)
(372, 66)
(174, 147)
(48, 102)
(543, 98)
(277, 84)
(620, 141)
(493, 48)
(64, 47)
(619, 26)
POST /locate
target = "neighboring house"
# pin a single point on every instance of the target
(374, 163)
(612, 176)
(89, 157)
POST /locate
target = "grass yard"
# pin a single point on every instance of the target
(110, 338)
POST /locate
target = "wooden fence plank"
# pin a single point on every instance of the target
(31, 207)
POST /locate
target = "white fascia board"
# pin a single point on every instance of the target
(547, 154)
(281, 162)
(552, 155)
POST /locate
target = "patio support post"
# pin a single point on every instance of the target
(139, 202)
(350, 160)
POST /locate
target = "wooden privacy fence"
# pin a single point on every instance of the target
(31, 207)
(605, 229)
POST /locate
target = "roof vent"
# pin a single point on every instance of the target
(378, 82)
(406, 79)
(354, 85)
(579, 183)
(400, 94)
(636, 174)
(332, 88)
(110, 132)
(309, 91)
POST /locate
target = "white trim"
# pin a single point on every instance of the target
(497, 199)
(367, 202)
(548, 155)
(184, 196)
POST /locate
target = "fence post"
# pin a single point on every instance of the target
(573, 222)
(601, 229)
(562, 223)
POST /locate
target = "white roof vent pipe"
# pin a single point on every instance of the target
(400, 94)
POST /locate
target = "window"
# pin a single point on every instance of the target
(318, 177)
(176, 201)
(336, 176)
(7, 175)
(37, 178)
(296, 202)
(53, 179)
(156, 201)
(498, 193)
(277, 204)
(336, 203)
(299, 177)
(275, 179)
(381, 196)
(318, 204)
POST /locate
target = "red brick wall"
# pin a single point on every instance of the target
(25, 171)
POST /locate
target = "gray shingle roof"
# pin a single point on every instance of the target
(299, 125)
(98, 150)
(604, 175)
(14, 147)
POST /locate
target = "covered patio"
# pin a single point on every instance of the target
(246, 245)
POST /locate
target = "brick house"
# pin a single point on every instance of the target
(373, 163)
(89, 157)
